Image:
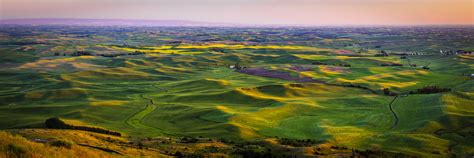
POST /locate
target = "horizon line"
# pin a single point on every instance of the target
(220, 24)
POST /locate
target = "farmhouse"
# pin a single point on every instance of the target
(451, 52)
(236, 66)
(382, 54)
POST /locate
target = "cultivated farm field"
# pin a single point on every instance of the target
(241, 85)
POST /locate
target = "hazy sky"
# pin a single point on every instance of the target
(295, 12)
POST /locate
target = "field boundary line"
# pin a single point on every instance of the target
(390, 105)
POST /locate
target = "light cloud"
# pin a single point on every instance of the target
(308, 12)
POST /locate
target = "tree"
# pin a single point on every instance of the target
(386, 91)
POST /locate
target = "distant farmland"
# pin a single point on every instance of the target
(237, 91)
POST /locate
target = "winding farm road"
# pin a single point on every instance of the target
(136, 119)
(101, 148)
(442, 131)
(390, 105)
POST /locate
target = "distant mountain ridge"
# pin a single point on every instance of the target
(109, 22)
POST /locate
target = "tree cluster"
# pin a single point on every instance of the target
(387, 91)
(56, 123)
(299, 142)
(82, 53)
(382, 54)
(189, 140)
(318, 63)
(345, 65)
(430, 90)
(120, 54)
(391, 64)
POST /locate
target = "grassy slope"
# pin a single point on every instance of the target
(20, 143)
(203, 99)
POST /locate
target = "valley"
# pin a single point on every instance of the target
(177, 91)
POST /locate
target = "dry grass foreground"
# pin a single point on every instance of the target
(43, 143)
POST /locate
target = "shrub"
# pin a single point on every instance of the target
(15, 150)
(178, 154)
(61, 143)
(318, 63)
(256, 154)
(386, 91)
(189, 140)
(56, 123)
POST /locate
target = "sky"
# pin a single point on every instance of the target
(282, 12)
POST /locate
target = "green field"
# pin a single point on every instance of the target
(189, 90)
